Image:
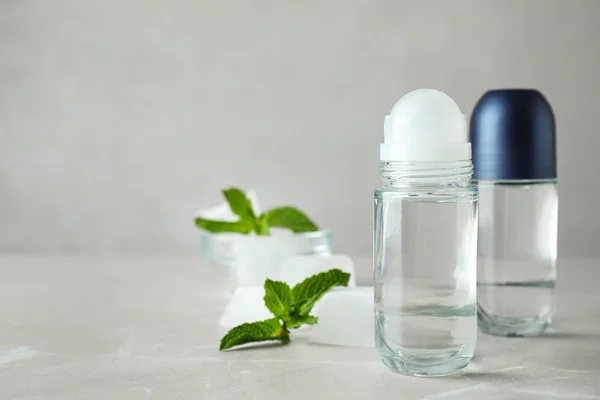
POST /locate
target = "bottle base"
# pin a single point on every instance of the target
(413, 368)
(513, 327)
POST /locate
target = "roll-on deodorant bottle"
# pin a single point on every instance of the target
(514, 153)
(425, 238)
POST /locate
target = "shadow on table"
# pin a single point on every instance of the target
(567, 350)
(253, 346)
(589, 336)
(493, 377)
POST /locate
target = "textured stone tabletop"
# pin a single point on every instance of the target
(146, 328)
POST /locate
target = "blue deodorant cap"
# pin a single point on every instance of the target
(513, 136)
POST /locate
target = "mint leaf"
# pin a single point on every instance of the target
(309, 320)
(261, 331)
(290, 306)
(297, 320)
(223, 226)
(278, 298)
(306, 293)
(240, 204)
(281, 217)
(290, 218)
(261, 226)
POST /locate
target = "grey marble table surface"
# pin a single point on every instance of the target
(146, 328)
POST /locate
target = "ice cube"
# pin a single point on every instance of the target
(296, 269)
(246, 305)
(345, 318)
(257, 258)
(363, 270)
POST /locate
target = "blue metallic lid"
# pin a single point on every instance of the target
(513, 136)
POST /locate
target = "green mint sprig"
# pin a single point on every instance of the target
(281, 217)
(290, 306)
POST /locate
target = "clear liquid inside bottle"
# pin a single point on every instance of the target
(517, 256)
(425, 267)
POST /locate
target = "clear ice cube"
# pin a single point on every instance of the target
(345, 318)
(257, 258)
(246, 305)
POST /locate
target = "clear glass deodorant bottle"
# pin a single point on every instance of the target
(514, 152)
(425, 239)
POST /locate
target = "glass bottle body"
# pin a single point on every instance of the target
(425, 247)
(517, 256)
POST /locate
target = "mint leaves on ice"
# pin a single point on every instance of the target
(281, 217)
(290, 306)
(290, 218)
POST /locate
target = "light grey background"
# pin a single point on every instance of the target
(119, 118)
